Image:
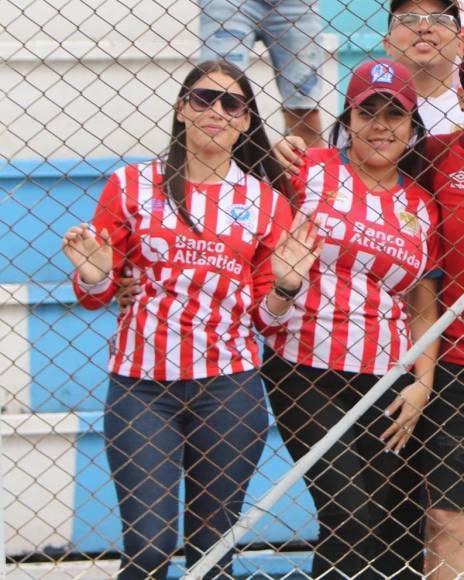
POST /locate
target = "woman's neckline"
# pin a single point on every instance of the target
(343, 153)
(204, 183)
(234, 175)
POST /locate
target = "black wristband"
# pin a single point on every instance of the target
(287, 294)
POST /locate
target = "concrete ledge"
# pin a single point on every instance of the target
(258, 565)
(93, 50)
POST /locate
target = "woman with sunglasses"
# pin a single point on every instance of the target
(196, 229)
(368, 296)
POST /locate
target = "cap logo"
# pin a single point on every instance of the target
(382, 73)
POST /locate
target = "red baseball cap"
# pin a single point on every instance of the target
(382, 76)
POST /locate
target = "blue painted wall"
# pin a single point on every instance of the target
(39, 201)
(360, 26)
(347, 18)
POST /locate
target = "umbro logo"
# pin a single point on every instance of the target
(457, 179)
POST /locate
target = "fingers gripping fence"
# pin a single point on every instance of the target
(145, 474)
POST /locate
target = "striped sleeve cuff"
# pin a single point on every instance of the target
(95, 288)
(270, 319)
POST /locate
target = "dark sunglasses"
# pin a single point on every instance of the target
(232, 104)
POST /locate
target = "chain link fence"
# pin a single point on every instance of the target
(89, 86)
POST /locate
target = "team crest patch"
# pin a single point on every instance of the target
(157, 205)
(382, 73)
(240, 213)
(332, 195)
(336, 196)
(408, 222)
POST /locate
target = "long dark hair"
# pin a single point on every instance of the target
(413, 162)
(252, 151)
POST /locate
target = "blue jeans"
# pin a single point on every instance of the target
(290, 29)
(212, 429)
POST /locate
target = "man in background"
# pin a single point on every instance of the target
(425, 36)
(431, 47)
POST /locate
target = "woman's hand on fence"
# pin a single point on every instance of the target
(296, 252)
(93, 260)
(408, 406)
(288, 152)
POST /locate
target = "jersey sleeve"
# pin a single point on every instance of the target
(263, 278)
(109, 214)
(437, 147)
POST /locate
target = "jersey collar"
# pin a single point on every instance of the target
(346, 161)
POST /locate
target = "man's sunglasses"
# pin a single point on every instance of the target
(232, 104)
(413, 20)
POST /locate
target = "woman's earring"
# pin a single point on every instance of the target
(413, 140)
(344, 139)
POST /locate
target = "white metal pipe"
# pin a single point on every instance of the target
(2, 518)
(251, 518)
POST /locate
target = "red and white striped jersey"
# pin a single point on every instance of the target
(351, 314)
(194, 317)
(448, 186)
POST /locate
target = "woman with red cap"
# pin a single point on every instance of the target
(369, 295)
